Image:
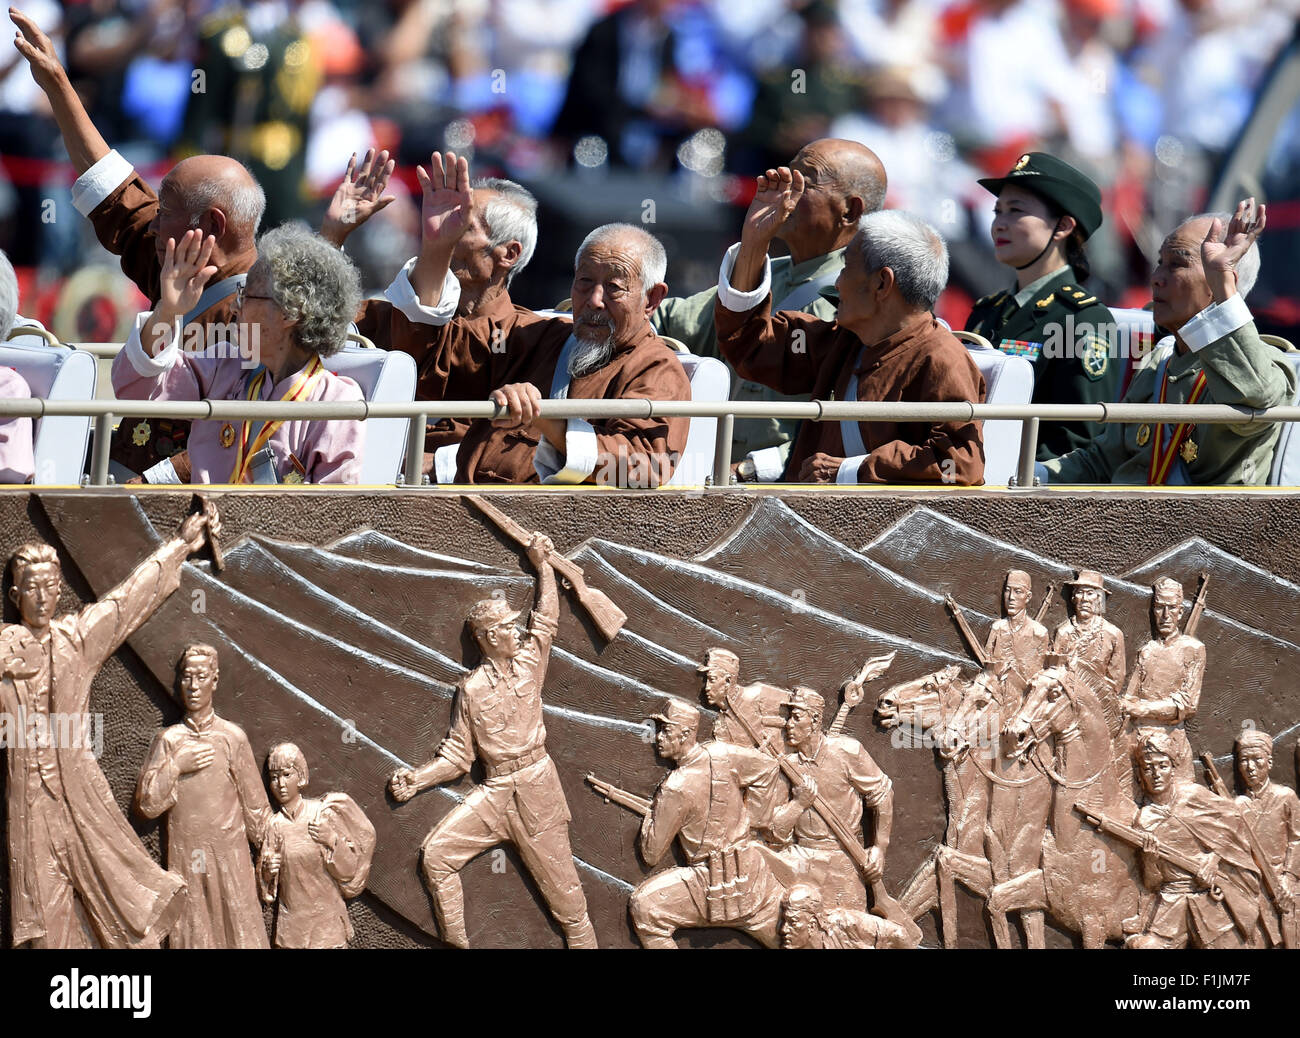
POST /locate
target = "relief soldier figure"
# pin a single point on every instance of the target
(1092, 645)
(1272, 810)
(1165, 687)
(79, 877)
(702, 804)
(1195, 858)
(202, 775)
(807, 923)
(842, 772)
(761, 703)
(316, 853)
(498, 719)
(1017, 640)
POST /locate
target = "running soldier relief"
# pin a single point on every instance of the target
(939, 739)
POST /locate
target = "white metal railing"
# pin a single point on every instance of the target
(105, 412)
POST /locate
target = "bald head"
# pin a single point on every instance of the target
(215, 194)
(844, 181)
(857, 170)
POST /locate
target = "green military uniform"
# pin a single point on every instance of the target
(254, 104)
(1067, 335)
(807, 286)
(1240, 370)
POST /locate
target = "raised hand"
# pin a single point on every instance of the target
(779, 191)
(447, 203)
(1220, 251)
(185, 272)
(359, 196)
(36, 47)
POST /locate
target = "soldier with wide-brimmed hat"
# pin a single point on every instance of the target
(1093, 646)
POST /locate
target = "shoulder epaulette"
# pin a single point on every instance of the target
(1074, 297)
(992, 300)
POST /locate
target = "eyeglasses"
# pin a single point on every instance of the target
(241, 295)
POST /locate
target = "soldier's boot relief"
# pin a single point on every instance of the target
(580, 934)
(449, 907)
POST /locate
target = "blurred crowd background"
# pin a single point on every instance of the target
(654, 111)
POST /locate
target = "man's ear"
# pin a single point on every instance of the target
(854, 209)
(14, 594)
(508, 254)
(654, 297)
(885, 281)
(216, 221)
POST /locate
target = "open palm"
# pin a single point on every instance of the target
(359, 196)
(1245, 227)
(185, 271)
(448, 200)
(779, 191)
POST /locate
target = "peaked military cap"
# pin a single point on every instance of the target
(1059, 182)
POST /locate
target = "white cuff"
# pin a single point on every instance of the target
(163, 472)
(740, 302)
(103, 178)
(444, 463)
(145, 365)
(849, 468)
(402, 295)
(1042, 473)
(769, 463)
(579, 459)
(1215, 322)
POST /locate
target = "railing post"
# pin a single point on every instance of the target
(103, 440)
(722, 451)
(415, 450)
(1028, 452)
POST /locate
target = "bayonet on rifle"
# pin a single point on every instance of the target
(613, 795)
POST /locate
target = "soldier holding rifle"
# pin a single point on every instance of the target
(498, 720)
(1195, 857)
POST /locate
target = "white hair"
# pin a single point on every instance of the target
(647, 251)
(8, 296)
(911, 248)
(510, 216)
(311, 282)
(1248, 265)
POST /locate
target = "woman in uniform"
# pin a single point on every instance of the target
(1046, 210)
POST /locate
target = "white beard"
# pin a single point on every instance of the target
(590, 356)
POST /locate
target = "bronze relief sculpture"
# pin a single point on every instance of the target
(785, 828)
(202, 776)
(316, 853)
(79, 876)
(498, 720)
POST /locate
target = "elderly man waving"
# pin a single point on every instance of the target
(1215, 356)
(608, 351)
(885, 345)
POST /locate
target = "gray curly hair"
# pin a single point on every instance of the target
(311, 282)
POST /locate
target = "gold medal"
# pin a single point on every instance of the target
(140, 434)
(1144, 434)
(227, 435)
(1188, 451)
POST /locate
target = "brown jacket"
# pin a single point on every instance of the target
(467, 358)
(923, 362)
(121, 223)
(386, 326)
